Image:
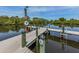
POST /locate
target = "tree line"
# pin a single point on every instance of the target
(64, 21)
(5, 20)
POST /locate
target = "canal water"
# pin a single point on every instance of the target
(57, 45)
(70, 43)
(9, 31)
(67, 36)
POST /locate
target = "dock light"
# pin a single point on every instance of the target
(62, 28)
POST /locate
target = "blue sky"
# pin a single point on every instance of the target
(48, 12)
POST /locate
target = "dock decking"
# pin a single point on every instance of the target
(14, 44)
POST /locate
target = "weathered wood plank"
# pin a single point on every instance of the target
(11, 44)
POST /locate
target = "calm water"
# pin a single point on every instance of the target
(9, 31)
(70, 43)
(67, 36)
(57, 45)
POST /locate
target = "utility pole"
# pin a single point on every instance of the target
(25, 10)
(25, 13)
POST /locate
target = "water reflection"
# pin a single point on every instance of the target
(10, 31)
(65, 44)
(57, 45)
(7, 28)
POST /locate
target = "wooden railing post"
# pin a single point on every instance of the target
(47, 33)
(62, 28)
(62, 36)
(42, 43)
(37, 41)
(24, 39)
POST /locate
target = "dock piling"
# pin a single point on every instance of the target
(24, 39)
(37, 41)
(42, 43)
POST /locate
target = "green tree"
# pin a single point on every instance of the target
(62, 19)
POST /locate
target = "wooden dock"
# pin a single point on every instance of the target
(66, 31)
(14, 44)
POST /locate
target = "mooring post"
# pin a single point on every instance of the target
(62, 26)
(46, 35)
(48, 31)
(62, 36)
(37, 41)
(42, 43)
(24, 39)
